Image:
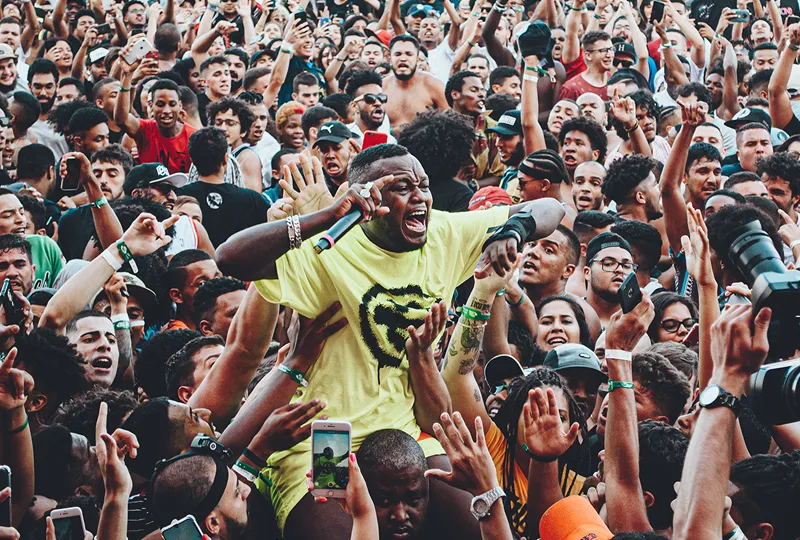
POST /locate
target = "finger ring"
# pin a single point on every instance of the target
(369, 185)
(364, 193)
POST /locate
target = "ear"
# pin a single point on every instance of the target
(662, 419)
(176, 296)
(545, 185)
(205, 328)
(583, 251)
(568, 271)
(685, 179)
(595, 155)
(649, 500)
(184, 393)
(312, 133)
(586, 269)
(35, 402)
(495, 87)
(84, 491)
(294, 96)
(212, 523)
(641, 198)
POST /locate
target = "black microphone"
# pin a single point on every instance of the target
(338, 230)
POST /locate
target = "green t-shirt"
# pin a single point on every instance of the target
(47, 257)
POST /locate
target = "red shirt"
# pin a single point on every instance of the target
(577, 86)
(576, 67)
(155, 148)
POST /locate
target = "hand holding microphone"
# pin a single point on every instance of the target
(361, 201)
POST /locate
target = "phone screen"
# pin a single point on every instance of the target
(658, 11)
(68, 528)
(331, 450)
(5, 506)
(104, 28)
(185, 529)
(72, 180)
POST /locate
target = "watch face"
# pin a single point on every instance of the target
(709, 395)
(480, 507)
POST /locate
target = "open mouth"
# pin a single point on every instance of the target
(570, 159)
(618, 280)
(527, 265)
(102, 364)
(332, 167)
(417, 221)
(555, 341)
(401, 534)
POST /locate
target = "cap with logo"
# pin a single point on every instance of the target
(603, 241)
(384, 36)
(509, 124)
(97, 54)
(573, 518)
(625, 50)
(334, 132)
(573, 356)
(149, 174)
(750, 115)
(6, 52)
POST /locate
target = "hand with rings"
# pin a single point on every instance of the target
(366, 189)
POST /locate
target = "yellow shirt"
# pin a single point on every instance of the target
(362, 372)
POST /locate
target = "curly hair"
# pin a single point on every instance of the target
(590, 128)
(241, 109)
(456, 83)
(441, 141)
(624, 175)
(769, 492)
(782, 165)
(507, 419)
(643, 99)
(359, 78)
(661, 301)
(79, 414)
(724, 223)
(662, 450)
(696, 89)
(580, 316)
(667, 387)
(520, 337)
(285, 111)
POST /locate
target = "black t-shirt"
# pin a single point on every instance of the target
(227, 209)
(202, 102)
(450, 195)
(75, 229)
(236, 37)
(115, 137)
(793, 127)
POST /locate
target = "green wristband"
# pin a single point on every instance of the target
(252, 470)
(295, 374)
(613, 385)
(534, 457)
(249, 454)
(122, 325)
(473, 314)
(518, 302)
(124, 251)
(20, 429)
(102, 201)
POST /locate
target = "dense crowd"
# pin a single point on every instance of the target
(536, 258)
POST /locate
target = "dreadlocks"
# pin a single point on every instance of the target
(550, 163)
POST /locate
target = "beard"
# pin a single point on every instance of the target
(235, 85)
(653, 215)
(517, 156)
(405, 77)
(47, 105)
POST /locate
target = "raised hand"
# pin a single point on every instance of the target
(117, 293)
(10, 533)
(297, 31)
(794, 35)
(285, 427)
(692, 114)
(543, 430)
(624, 110)
(357, 502)
(421, 339)
(311, 337)
(695, 246)
(224, 28)
(87, 179)
(147, 234)
(111, 458)
(472, 467)
(312, 192)
(789, 231)
(739, 344)
(244, 9)
(15, 384)
(625, 330)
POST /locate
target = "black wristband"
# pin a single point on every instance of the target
(520, 226)
(534, 457)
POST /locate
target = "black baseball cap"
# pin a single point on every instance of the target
(334, 132)
(509, 124)
(571, 356)
(149, 174)
(624, 49)
(500, 368)
(750, 115)
(603, 241)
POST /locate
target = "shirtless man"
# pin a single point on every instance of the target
(410, 91)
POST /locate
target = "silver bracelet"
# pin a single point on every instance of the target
(290, 230)
(298, 234)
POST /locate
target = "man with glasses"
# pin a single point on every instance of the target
(598, 54)
(609, 260)
(368, 97)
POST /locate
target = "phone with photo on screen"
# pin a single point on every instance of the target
(68, 523)
(330, 451)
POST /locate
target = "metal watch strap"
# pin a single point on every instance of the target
(490, 497)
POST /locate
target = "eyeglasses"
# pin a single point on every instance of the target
(136, 11)
(604, 50)
(370, 99)
(673, 325)
(611, 265)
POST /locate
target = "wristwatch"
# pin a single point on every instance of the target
(715, 396)
(482, 503)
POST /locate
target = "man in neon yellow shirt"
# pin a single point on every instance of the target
(386, 273)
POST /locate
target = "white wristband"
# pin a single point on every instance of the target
(530, 78)
(137, 324)
(120, 317)
(618, 354)
(112, 258)
(794, 243)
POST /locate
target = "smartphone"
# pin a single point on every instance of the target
(152, 54)
(629, 293)
(374, 138)
(41, 12)
(693, 337)
(792, 19)
(107, 4)
(14, 314)
(103, 29)
(5, 506)
(301, 17)
(139, 50)
(658, 11)
(330, 451)
(183, 529)
(68, 523)
(72, 180)
(742, 15)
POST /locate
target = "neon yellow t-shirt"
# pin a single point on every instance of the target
(362, 372)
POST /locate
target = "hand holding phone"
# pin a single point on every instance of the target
(630, 295)
(374, 138)
(742, 16)
(71, 180)
(5, 506)
(138, 51)
(68, 523)
(330, 449)
(657, 14)
(183, 529)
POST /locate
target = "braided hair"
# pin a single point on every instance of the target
(550, 163)
(507, 419)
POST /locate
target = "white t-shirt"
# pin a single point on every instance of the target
(441, 60)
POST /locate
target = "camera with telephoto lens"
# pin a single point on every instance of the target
(773, 389)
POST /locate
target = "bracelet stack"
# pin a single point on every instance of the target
(295, 234)
(499, 8)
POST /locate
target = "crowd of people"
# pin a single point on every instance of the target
(176, 310)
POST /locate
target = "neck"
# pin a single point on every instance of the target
(18, 134)
(213, 96)
(632, 213)
(218, 178)
(170, 132)
(430, 45)
(113, 126)
(697, 203)
(597, 75)
(39, 184)
(407, 83)
(602, 307)
(541, 291)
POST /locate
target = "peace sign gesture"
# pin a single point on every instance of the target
(15, 384)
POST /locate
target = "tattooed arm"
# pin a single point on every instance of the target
(461, 356)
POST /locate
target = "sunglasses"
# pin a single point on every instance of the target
(370, 99)
(623, 63)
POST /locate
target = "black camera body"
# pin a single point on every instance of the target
(774, 392)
